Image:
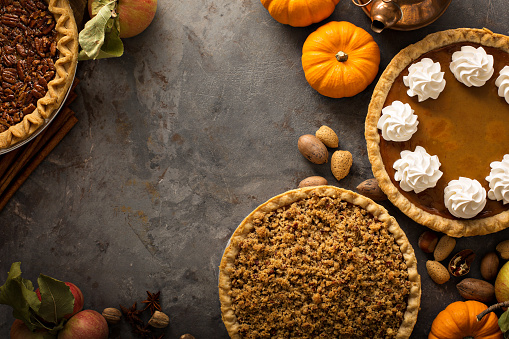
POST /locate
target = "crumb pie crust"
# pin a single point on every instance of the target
(65, 67)
(377, 213)
(452, 227)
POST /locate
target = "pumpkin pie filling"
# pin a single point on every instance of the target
(466, 127)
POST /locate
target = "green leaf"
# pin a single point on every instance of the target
(92, 37)
(503, 321)
(112, 47)
(19, 294)
(56, 299)
(97, 5)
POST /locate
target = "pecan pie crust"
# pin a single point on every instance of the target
(48, 80)
(319, 262)
(452, 227)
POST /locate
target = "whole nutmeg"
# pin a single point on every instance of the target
(313, 149)
(112, 315)
(444, 247)
(313, 181)
(186, 336)
(428, 241)
(369, 188)
(489, 266)
(159, 320)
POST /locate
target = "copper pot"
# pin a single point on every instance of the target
(402, 15)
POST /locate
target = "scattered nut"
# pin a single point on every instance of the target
(159, 320)
(186, 336)
(444, 247)
(460, 264)
(313, 149)
(476, 289)
(341, 162)
(503, 249)
(489, 266)
(437, 272)
(327, 136)
(313, 181)
(370, 189)
(428, 241)
(112, 315)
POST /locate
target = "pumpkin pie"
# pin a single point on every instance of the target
(38, 58)
(319, 262)
(458, 126)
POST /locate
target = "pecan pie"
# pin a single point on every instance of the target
(38, 57)
(319, 262)
(464, 127)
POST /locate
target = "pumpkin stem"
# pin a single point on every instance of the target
(341, 56)
(491, 309)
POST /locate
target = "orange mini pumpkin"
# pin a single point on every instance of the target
(340, 59)
(458, 321)
(300, 13)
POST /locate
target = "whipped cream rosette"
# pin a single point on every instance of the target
(398, 122)
(417, 171)
(499, 180)
(425, 80)
(502, 83)
(472, 66)
(465, 197)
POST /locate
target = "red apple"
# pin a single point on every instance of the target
(502, 284)
(20, 331)
(134, 15)
(78, 298)
(87, 324)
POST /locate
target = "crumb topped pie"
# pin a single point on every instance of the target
(441, 162)
(319, 262)
(38, 57)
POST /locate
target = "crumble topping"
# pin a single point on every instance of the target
(320, 267)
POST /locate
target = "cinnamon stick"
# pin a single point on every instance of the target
(44, 152)
(33, 147)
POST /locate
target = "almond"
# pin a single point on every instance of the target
(503, 249)
(437, 272)
(313, 181)
(327, 136)
(444, 247)
(341, 162)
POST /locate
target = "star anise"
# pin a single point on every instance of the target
(143, 331)
(152, 302)
(132, 315)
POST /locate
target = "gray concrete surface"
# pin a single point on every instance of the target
(178, 140)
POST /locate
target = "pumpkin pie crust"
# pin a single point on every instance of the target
(64, 67)
(469, 150)
(319, 262)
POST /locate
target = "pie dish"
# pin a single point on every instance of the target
(464, 126)
(319, 262)
(39, 53)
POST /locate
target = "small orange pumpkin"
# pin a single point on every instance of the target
(300, 13)
(458, 321)
(340, 59)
